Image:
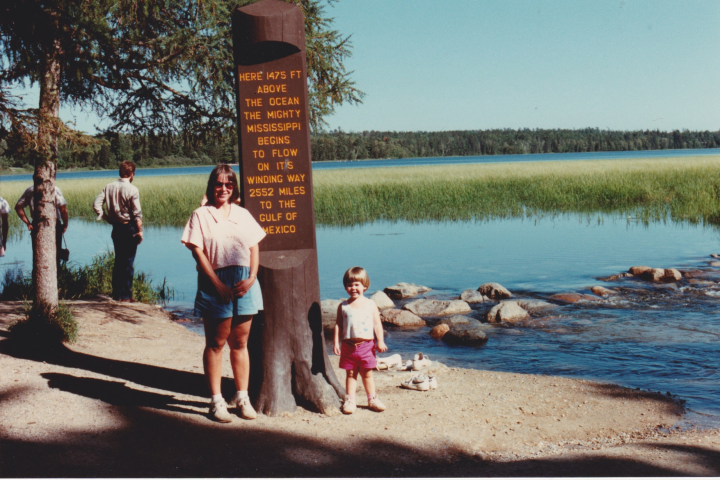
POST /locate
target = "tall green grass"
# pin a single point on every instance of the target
(682, 189)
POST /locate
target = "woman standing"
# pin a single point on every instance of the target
(223, 238)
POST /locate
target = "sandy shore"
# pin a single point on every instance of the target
(129, 399)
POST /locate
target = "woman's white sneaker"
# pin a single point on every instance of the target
(244, 406)
(219, 411)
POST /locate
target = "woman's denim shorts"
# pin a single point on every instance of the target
(209, 305)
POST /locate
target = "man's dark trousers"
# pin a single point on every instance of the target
(125, 242)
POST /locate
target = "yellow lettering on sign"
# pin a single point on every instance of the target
(280, 101)
(274, 229)
(291, 191)
(251, 76)
(274, 140)
(282, 88)
(255, 179)
(273, 127)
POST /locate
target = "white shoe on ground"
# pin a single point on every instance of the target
(421, 361)
(349, 407)
(219, 411)
(376, 405)
(244, 406)
(416, 382)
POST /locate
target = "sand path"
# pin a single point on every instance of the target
(129, 399)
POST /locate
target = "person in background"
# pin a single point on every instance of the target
(27, 200)
(4, 215)
(122, 199)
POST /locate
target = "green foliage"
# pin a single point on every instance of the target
(157, 66)
(339, 145)
(86, 281)
(45, 327)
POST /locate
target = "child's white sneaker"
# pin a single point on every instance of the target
(243, 404)
(349, 406)
(219, 412)
(376, 405)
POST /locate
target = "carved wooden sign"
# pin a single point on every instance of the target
(274, 126)
(288, 360)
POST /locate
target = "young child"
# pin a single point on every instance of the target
(357, 320)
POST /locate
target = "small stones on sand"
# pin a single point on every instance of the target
(472, 296)
(573, 297)
(508, 312)
(405, 290)
(494, 290)
(401, 318)
(382, 300)
(602, 291)
(439, 331)
(437, 308)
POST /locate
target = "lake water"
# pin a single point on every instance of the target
(657, 338)
(400, 162)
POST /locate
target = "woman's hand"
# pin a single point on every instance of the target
(224, 292)
(242, 287)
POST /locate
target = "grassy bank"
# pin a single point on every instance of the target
(684, 189)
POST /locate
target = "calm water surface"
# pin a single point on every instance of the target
(662, 339)
(400, 162)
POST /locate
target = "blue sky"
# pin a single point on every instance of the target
(481, 64)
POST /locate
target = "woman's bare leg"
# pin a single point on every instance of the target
(239, 357)
(217, 332)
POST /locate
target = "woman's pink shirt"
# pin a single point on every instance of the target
(225, 242)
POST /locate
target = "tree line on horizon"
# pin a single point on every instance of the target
(186, 150)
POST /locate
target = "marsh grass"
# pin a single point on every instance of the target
(86, 281)
(680, 189)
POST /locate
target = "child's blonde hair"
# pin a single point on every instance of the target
(356, 274)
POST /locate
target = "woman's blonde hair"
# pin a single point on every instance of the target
(356, 274)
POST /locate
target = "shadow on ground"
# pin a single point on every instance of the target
(155, 442)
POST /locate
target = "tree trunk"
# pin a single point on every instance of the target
(44, 216)
(290, 366)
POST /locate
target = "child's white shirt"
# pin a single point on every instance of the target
(358, 322)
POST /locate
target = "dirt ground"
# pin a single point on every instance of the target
(129, 400)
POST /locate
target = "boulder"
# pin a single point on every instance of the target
(653, 274)
(534, 305)
(715, 255)
(508, 312)
(439, 331)
(494, 290)
(672, 275)
(401, 318)
(472, 296)
(457, 320)
(714, 264)
(636, 271)
(602, 291)
(405, 290)
(572, 297)
(329, 313)
(465, 335)
(382, 300)
(437, 308)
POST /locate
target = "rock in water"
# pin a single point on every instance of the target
(534, 305)
(465, 335)
(602, 291)
(573, 297)
(401, 318)
(437, 308)
(508, 312)
(672, 275)
(472, 296)
(639, 270)
(439, 331)
(405, 290)
(494, 290)
(382, 300)
(329, 313)
(457, 320)
(653, 275)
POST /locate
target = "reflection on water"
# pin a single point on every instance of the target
(660, 338)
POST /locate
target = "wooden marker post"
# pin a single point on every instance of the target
(289, 364)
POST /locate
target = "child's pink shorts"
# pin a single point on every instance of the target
(358, 356)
